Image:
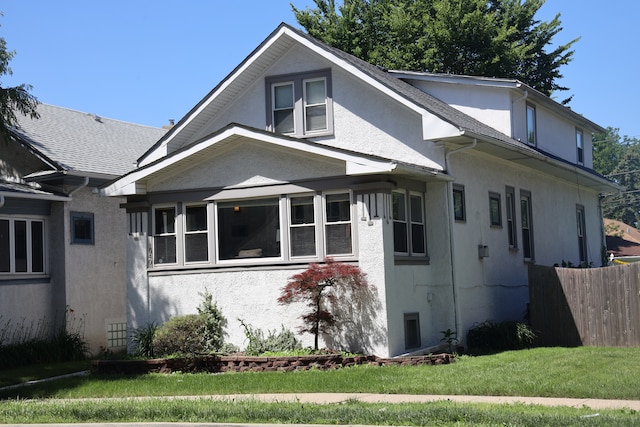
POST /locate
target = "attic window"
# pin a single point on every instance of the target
(300, 104)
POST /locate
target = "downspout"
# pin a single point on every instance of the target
(1, 200)
(451, 224)
(85, 182)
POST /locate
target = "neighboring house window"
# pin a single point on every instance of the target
(196, 235)
(412, 330)
(510, 200)
(277, 227)
(582, 236)
(527, 225)
(495, 213)
(531, 124)
(459, 210)
(82, 228)
(164, 235)
(22, 245)
(300, 104)
(579, 146)
(408, 223)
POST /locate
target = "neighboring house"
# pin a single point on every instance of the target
(442, 189)
(61, 244)
(623, 241)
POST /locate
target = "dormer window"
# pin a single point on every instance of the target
(300, 104)
(531, 124)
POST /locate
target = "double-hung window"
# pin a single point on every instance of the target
(510, 200)
(302, 226)
(459, 209)
(582, 235)
(408, 223)
(531, 124)
(164, 235)
(579, 146)
(300, 104)
(22, 245)
(527, 225)
(338, 230)
(196, 235)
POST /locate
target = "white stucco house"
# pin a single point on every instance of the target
(442, 189)
(61, 244)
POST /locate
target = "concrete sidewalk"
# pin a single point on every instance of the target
(336, 398)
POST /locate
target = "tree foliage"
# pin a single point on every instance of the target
(619, 159)
(15, 99)
(498, 38)
(317, 286)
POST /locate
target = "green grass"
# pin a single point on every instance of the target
(606, 373)
(46, 370)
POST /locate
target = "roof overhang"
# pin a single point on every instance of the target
(355, 163)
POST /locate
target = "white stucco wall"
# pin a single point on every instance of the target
(95, 274)
(495, 288)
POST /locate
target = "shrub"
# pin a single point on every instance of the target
(491, 337)
(275, 342)
(192, 334)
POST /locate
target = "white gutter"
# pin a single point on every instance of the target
(50, 197)
(451, 224)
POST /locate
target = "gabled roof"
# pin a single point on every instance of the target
(441, 122)
(355, 163)
(79, 143)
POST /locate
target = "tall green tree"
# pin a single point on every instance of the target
(498, 38)
(618, 158)
(16, 99)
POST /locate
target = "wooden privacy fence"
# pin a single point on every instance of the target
(586, 306)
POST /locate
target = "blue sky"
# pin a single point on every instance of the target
(150, 61)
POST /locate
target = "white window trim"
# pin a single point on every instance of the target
(409, 222)
(176, 233)
(182, 218)
(12, 273)
(531, 107)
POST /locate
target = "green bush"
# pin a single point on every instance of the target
(192, 334)
(275, 342)
(491, 337)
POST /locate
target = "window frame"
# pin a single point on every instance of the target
(408, 223)
(154, 234)
(495, 205)
(89, 216)
(284, 224)
(29, 248)
(300, 121)
(510, 205)
(583, 253)
(527, 230)
(186, 232)
(531, 125)
(459, 215)
(579, 146)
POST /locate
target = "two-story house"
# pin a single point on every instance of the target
(442, 189)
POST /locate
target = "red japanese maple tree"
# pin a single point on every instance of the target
(317, 284)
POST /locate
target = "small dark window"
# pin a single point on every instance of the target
(82, 228)
(459, 210)
(579, 146)
(412, 330)
(495, 214)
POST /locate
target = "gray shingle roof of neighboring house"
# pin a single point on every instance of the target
(83, 142)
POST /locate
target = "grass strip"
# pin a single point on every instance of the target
(351, 412)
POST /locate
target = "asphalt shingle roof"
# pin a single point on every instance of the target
(84, 142)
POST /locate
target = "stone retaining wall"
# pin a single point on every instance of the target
(257, 364)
